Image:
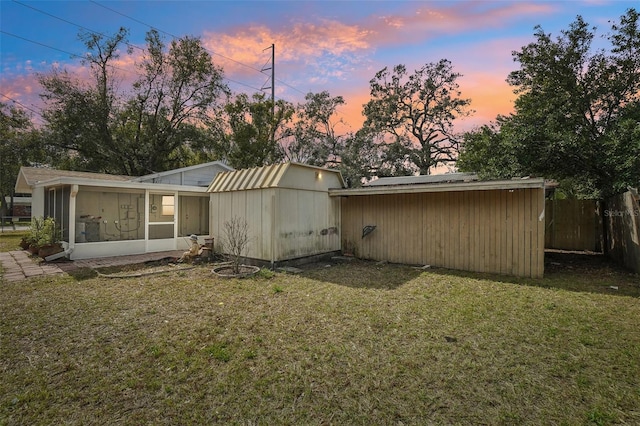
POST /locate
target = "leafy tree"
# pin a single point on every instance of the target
(490, 151)
(178, 91)
(576, 114)
(146, 129)
(254, 135)
(315, 139)
(79, 116)
(417, 111)
(361, 158)
(19, 146)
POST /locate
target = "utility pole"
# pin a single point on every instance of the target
(273, 80)
(273, 90)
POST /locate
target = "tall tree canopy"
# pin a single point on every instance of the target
(143, 130)
(315, 136)
(255, 131)
(418, 112)
(577, 112)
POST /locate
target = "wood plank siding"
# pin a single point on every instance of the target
(495, 231)
(622, 217)
(574, 225)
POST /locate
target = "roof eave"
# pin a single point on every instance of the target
(118, 184)
(441, 187)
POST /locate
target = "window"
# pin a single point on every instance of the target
(168, 205)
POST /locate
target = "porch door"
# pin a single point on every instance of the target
(161, 229)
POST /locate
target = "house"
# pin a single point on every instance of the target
(20, 207)
(106, 215)
(296, 212)
(287, 208)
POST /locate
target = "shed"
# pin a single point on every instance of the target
(286, 206)
(454, 222)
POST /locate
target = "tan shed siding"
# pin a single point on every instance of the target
(495, 231)
(302, 177)
(307, 223)
(255, 207)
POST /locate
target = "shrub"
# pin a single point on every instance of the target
(236, 240)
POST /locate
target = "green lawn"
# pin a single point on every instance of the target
(357, 343)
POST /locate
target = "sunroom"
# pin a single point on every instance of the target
(100, 217)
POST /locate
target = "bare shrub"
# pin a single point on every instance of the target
(236, 240)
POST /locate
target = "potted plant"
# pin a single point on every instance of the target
(49, 242)
(35, 234)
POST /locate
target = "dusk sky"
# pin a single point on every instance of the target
(336, 46)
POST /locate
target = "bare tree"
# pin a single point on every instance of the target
(236, 240)
(416, 112)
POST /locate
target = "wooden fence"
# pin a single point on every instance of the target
(497, 231)
(573, 225)
(622, 217)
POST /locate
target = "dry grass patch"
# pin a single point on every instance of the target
(359, 343)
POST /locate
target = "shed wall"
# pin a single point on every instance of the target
(495, 231)
(256, 206)
(287, 223)
(304, 178)
(307, 223)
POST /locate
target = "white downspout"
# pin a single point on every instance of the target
(72, 220)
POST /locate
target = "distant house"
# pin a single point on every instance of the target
(106, 215)
(20, 207)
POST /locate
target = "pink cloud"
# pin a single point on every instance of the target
(432, 20)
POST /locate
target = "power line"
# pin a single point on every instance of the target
(74, 55)
(208, 50)
(22, 105)
(105, 35)
(172, 35)
(134, 46)
(71, 23)
(41, 44)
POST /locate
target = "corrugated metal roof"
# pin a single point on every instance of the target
(255, 178)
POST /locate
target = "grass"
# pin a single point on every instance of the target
(10, 240)
(357, 343)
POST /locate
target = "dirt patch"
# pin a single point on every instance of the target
(580, 262)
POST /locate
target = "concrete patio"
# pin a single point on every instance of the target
(18, 265)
